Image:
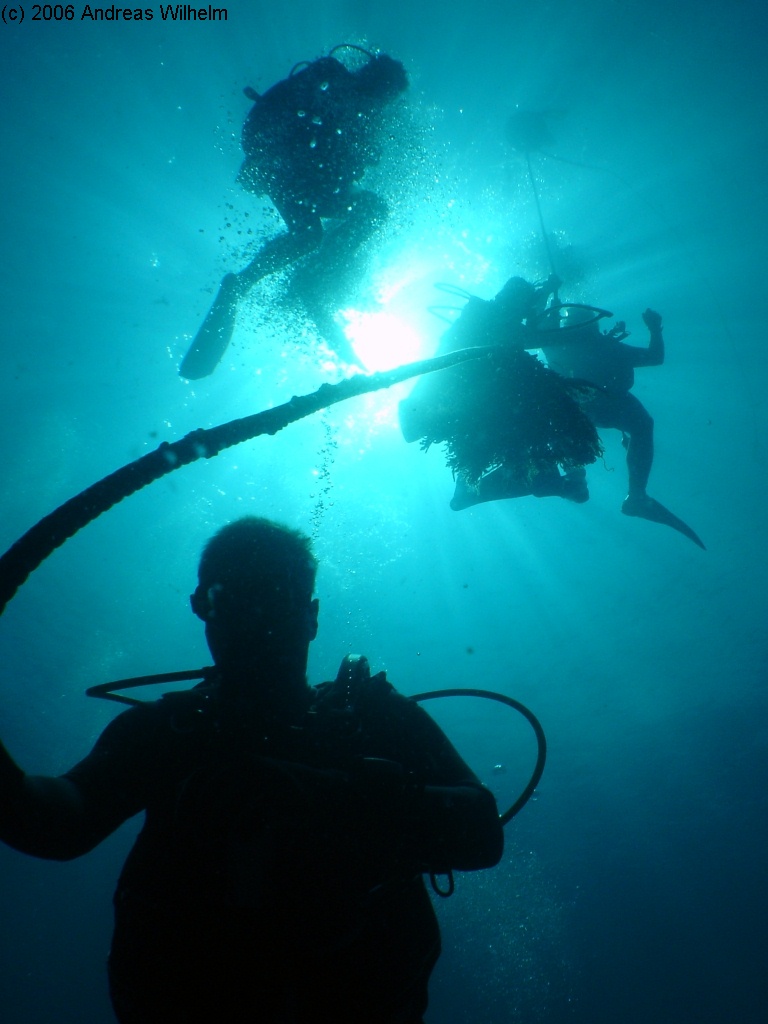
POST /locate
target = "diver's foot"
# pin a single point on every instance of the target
(644, 507)
(335, 338)
(211, 341)
(574, 486)
(638, 505)
(464, 496)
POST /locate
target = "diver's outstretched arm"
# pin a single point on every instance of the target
(41, 815)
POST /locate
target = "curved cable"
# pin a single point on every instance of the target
(597, 314)
(27, 553)
(541, 739)
(452, 289)
(352, 46)
(438, 311)
(105, 690)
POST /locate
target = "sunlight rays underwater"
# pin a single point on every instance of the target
(630, 650)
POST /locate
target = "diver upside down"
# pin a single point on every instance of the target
(508, 424)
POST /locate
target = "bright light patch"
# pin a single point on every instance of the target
(382, 340)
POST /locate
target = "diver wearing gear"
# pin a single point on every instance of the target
(307, 141)
(509, 422)
(278, 874)
(603, 359)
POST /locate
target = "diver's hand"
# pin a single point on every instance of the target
(652, 320)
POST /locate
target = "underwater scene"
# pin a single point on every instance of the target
(610, 156)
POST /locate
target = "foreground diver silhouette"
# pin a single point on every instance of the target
(307, 141)
(278, 874)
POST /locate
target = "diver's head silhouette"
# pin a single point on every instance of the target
(382, 78)
(256, 580)
(517, 298)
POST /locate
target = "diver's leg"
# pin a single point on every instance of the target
(361, 214)
(573, 485)
(494, 486)
(357, 217)
(549, 483)
(626, 413)
(330, 274)
(213, 337)
(639, 449)
(501, 483)
(280, 252)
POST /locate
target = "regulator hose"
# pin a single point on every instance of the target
(107, 691)
(541, 739)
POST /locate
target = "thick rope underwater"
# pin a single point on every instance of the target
(23, 557)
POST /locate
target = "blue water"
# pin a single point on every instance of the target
(633, 887)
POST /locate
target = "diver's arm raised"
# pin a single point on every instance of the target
(653, 355)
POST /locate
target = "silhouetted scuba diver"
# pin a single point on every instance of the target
(509, 427)
(278, 873)
(584, 352)
(307, 141)
(508, 422)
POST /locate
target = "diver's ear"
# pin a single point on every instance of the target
(203, 601)
(312, 614)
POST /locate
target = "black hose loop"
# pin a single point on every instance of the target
(541, 739)
(106, 691)
(438, 891)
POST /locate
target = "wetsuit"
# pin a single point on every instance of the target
(590, 355)
(278, 875)
(309, 138)
(307, 141)
(510, 420)
(432, 404)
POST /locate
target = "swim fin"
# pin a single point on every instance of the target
(648, 508)
(215, 333)
(334, 335)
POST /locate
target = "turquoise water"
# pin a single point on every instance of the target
(633, 886)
